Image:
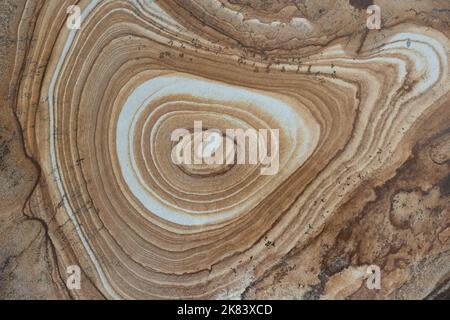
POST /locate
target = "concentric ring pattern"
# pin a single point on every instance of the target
(113, 91)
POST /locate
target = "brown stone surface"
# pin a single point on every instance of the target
(371, 188)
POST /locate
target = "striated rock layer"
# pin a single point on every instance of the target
(363, 119)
